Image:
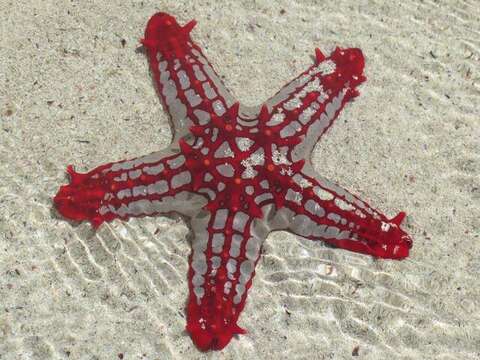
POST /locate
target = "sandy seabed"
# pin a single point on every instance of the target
(74, 90)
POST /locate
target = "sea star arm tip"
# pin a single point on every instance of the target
(225, 250)
(321, 210)
(148, 185)
(305, 108)
(189, 87)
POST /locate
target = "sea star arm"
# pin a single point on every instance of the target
(156, 183)
(188, 85)
(322, 210)
(307, 106)
(225, 250)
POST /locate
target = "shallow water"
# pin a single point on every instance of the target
(71, 93)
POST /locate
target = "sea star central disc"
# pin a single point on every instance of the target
(236, 173)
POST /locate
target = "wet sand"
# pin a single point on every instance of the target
(74, 89)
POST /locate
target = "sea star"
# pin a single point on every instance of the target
(236, 174)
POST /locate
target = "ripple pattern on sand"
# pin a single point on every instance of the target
(71, 93)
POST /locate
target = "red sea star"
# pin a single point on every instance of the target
(236, 173)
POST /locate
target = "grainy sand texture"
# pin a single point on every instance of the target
(74, 89)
